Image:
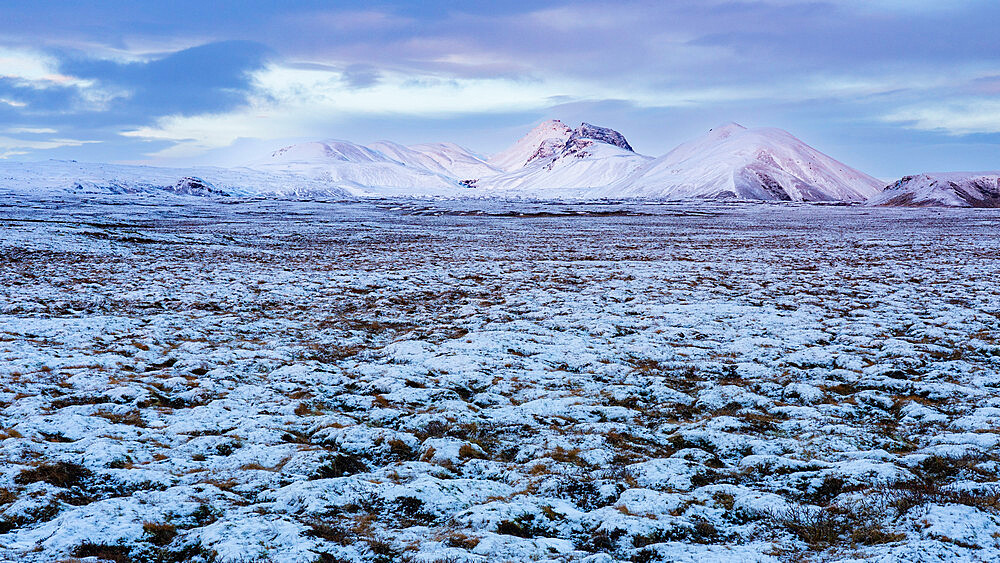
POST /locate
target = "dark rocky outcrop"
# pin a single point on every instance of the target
(601, 134)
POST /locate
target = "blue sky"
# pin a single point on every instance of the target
(889, 86)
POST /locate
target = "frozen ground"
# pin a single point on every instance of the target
(188, 380)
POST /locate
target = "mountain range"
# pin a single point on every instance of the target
(552, 161)
(952, 189)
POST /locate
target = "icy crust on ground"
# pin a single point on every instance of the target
(280, 381)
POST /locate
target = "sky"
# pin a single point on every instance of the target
(891, 87)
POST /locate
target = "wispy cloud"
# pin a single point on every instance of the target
(11, 146)
(964, 117)
(30, 130)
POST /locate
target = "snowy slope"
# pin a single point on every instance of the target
(575, 174)
(557, 159)
(541, 142)
(358, 169)
(951, 189)
(735, 162)
(448, 159)
(56, 176)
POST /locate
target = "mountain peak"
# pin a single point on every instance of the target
(728, 126)
(731, 161)
(601, 134)
(726, 130)
(551, 124)
(553, 139)
(552, 128)
(543, 140)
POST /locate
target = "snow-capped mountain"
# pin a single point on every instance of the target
(358, 169)
(951, 189)
(553, 157)
(735, 162)
(448, 159)
(552, 161)
(541, 142)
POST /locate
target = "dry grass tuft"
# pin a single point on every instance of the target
(60, 474)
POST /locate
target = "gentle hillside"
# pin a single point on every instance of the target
(735, 162)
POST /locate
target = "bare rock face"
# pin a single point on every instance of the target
(191, 185)
(553, 140)
(579, 144)
(600, 134)
(549, 148)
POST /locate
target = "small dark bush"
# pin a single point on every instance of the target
(339, 466)
(827, 491)
(330, 532)
(598, 540)
(60, 474)
(227, 448)
(401, 451)
(412, 509)
(384, 551)
(104, 552)
(856, 524)
(7, 496)
(645, 556)
(904, 496)
(204, 515)
(159, 534)
(461, 541)
(584, 494)
(524, 526)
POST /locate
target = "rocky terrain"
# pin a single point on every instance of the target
(234, 380)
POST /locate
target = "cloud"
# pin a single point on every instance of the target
(30, 130)
(31, 79)
(207, 78)
(312, 100)
(360, 76)
(293, 101)
(10, 146)
(965, 117)
(44, 97)
(29, 66)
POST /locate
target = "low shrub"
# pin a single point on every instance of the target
(60, 474)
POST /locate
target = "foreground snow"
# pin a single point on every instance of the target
(474, 381)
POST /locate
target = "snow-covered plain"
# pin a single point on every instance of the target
(193, 379)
